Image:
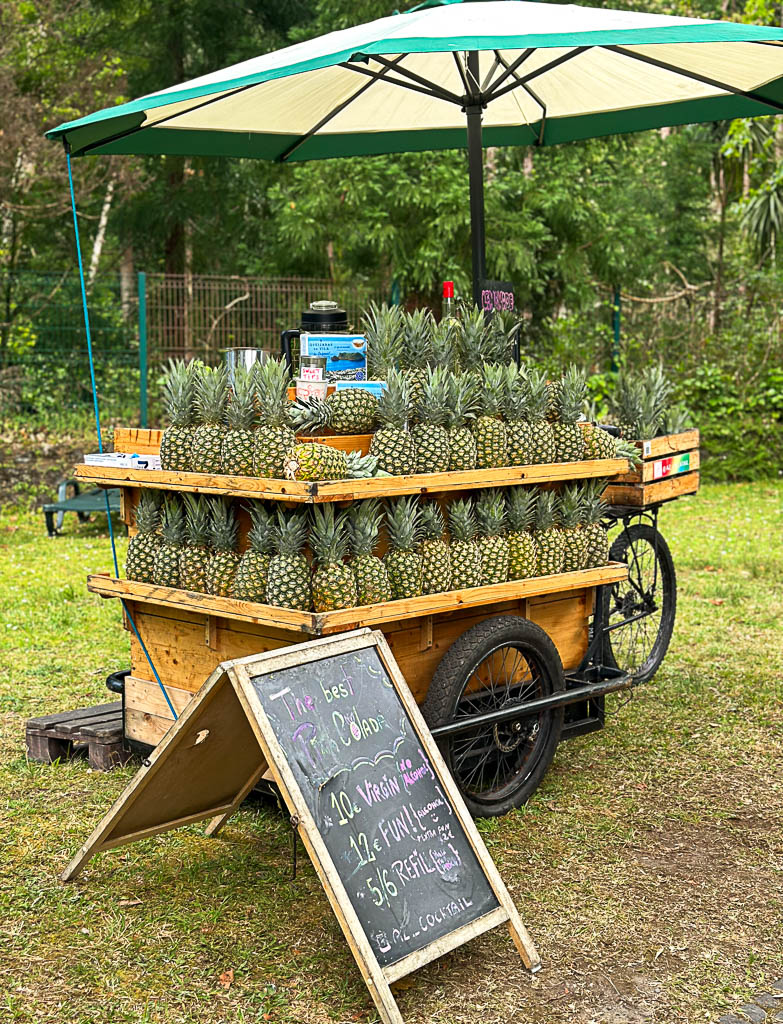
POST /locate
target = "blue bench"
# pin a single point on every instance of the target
(82, 503)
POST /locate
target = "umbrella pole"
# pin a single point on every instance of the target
(473, 111)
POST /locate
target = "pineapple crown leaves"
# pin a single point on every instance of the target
(462, 398)
(433, 407)
(361, 466)
(260, 536)
(676, 418)
(171, 521)
(443, 345)
(179, 385)
(504, 327)
(364, 524)
(290, 533)
(521, 504)
(394, 402)
(462, 520)
(571, 394)
(516, 395)
(211, 394)
(547, 510)
(571, 506)
(472, 336)
(328, 534)
(403, 523)
(491, 513)
(432, 521)
(223, 525)
(197, 519)
(538, 394)
(624, 449)
(493, 389)
(147, 513)
(626, 401)
(271, 380)
(307, 415)
(418, 329)
(593, 505)
(383, 328)
(241, 412)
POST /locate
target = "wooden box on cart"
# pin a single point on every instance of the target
(669, 469)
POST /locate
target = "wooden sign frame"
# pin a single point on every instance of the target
(207, 735)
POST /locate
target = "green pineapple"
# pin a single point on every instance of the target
(488, 429)
(478, 341)
(403, 562)
(143, 546)
(554, 391)
(274, 436)
(461, 407)
(593, 509)
(464, 549)
(253, 569)
(522, 554)
(288, 584)
(347, 411)
(550, 542)
(491, 518)
(434, 550)
(194, 556)
(572, 528)
(569, 439)
(392, 445)
(222, 564)
(334, 584)
(504, 327)
(239, 440)
(165, 572)
(519, 432)
(313, 461)
(418, 328)
(372, 579)
(178, 398)
(383, 329)
(541, 437)
(430, 435)
(599, 444)
(211, 395)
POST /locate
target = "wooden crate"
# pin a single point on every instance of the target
(669, 469)
(139, 441)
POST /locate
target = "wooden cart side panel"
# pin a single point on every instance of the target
(675, 465)
(640, 495)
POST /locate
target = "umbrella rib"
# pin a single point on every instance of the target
(533, 95)
(395, 81)
(497, 93)
(510, 69)
(438, 91)
(695, 76)
(461, 70)
(375, 75)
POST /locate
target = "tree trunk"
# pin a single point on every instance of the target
(127, 283)
(100, 236)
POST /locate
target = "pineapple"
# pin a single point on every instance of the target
(207, 445)
(550, 541)
(288, 584)
(504, 326)
(165, 572)
(519, 432)
(347, 411)
(430, 435)
(593, 509)
(554, 391)
(599, 444)
(253, 569)
(571, 526)
(464, 550)
(274, 436)
(222, 564)
(493, 545)
(476, 342)
(178, 397)
(239, 440)
(488, 429)
(542, 438)
(569, 439)
(418, 328)
(403, 562)
(435, 555)
(383, 329)
(442, 346)
(194, 556)
(372, 579)
(313, 461)
(461, 406)
(143, 546)
(626, 404)
(392, 445)
(521, 505)
(334, 584)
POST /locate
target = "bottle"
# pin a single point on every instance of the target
(449, 306)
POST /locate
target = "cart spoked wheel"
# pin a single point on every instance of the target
(501, 662)
(642, 608)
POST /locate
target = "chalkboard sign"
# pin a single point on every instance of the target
(497, 295)
(392, 832)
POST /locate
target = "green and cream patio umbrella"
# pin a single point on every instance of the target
(449, 75)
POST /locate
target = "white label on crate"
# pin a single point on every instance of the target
(646, 448)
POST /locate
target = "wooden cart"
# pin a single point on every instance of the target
(499, 732)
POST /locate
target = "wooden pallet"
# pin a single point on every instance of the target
(60, 735)
(670, 469)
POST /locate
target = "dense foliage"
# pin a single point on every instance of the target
(684, 223)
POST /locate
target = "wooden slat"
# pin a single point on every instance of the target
(316, 624)
(349, 490)
(641, 495)
(344, 442)
(668, 444)
(137, 440)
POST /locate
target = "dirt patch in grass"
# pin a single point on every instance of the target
(32, 465)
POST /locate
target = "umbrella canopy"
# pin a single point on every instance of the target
(512, 72)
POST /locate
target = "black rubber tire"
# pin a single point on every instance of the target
(540, 733)
(640, 647)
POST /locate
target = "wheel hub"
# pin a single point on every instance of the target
(507, 736)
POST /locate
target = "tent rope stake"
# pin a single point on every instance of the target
(96, 411)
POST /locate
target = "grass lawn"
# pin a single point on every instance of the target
(648, 867)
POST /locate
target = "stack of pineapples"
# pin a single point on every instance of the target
(189, 542)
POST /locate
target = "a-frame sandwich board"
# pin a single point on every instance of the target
(238, 726)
